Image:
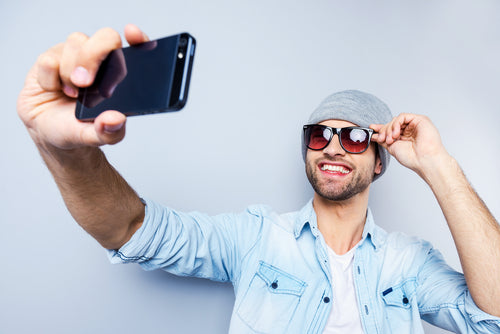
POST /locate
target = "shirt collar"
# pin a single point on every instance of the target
(307, 216)
(371, 231)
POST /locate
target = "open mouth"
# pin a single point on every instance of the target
(335, 169)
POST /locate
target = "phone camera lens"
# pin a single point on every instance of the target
(182, 42)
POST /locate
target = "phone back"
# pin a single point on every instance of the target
(148, 78)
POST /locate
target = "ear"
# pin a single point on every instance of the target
(378, 165)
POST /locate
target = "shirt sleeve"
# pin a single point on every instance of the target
(445, 301)
(191, 244)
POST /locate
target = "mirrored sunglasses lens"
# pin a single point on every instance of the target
(355, 140)
(317, 137)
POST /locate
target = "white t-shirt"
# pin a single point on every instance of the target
(344, 316)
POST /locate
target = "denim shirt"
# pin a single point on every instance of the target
(279, 267)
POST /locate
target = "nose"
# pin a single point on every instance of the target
(334, 148)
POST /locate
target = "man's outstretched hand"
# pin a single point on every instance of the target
(47, 101)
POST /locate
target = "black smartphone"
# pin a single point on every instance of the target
(141, 79)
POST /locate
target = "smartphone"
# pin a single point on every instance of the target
(142, 79)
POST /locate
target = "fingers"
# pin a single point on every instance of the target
(75, 63)
(48, 68)
(91, 54)
(69, 56)
(134, 35)
(387, 134)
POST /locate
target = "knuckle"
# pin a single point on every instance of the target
(99, 46)
(110, 35)
(48, 61)
(77, 37)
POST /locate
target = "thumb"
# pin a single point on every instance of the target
(380, 139)
(376, 127)
(109, 127)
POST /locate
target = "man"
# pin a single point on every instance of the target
(326, 268)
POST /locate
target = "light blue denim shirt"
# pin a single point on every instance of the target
(279, 267)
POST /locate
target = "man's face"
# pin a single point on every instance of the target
(337, 175)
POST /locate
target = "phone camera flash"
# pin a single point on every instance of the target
(180, 55)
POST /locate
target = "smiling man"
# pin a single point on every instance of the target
(327, 268)
(387, 282)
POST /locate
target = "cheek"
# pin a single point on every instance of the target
(311, 156)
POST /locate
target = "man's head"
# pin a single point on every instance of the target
(341, 110)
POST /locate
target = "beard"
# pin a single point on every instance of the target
(336, 191)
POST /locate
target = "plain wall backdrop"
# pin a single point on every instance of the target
(261, 67)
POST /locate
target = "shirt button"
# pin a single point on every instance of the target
(326, 300)
(274, 285)
(405, 300)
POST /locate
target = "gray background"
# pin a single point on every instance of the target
(261, 67)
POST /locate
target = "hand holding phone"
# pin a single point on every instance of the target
(141, 79)
(47, 101)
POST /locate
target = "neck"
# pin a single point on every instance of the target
(341, 222)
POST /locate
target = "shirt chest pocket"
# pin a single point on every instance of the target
(270, 300)
(398, 301)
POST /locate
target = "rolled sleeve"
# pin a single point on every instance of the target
(190, 244)
(478, 316)
(141, 246)
(445, 300)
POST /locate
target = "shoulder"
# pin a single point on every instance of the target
(399, 245)
(399, 241)
(405, 255)
(273, 219)
(395, 242)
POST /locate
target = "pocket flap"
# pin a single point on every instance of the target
(400, 295)
(279, 281)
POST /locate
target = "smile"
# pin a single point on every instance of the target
(335, 169)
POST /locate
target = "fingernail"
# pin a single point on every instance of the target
(80, 76)
(113, 128)
(70, 91)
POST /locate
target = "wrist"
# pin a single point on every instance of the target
(441, 172)
(67, 160)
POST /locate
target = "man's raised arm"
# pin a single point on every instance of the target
(415, 143)
(99, 199)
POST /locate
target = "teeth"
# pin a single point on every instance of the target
(338, 169)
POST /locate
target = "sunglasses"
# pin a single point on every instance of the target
(353, 139)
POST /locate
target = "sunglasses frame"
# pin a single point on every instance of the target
(337, 131)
